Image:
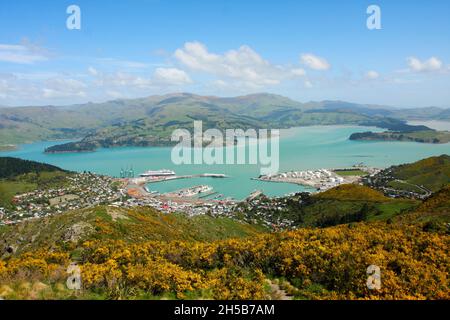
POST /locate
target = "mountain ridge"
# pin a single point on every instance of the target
(149, 121)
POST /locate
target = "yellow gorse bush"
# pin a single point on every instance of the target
(326, 263)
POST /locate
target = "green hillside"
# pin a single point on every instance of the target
(340, 205)
(436, 208)
(10, 167)
(418, 178)
(21, 176)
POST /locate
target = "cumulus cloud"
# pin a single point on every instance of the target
(63, 88)
(21, 54)
(171, 76)
(19, 89)
(430, 65)
(314, 62)
(162, 77)
(125, 64)
(243, 65)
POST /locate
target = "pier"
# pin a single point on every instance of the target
(145, 180)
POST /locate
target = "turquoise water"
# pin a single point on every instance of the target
(300, 149)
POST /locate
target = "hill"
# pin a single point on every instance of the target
(21, 176)
(311, 263)
(340, 205)
(150, 121)
(10, 167)
(435, 209)
(113, 223)
(352, 192)
(418, 179)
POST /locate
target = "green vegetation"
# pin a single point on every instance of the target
(432, 173)
(352, 203)
(20, 176)
(352, 192)
(8, 189)
(29, 182)
(417, 179)
(326, 263)
(340, 205)
(11, 167)
(141, 253)
(435, 210)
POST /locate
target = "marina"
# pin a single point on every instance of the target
(321, 179)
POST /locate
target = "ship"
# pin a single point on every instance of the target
(158, 173)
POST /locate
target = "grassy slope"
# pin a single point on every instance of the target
(433, 172)
(435, 209)
(29, 182)
(11, 167)
(133, 225)
(347, 202)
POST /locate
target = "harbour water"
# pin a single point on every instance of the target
(300, 149)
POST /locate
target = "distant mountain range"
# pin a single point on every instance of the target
(150, 121)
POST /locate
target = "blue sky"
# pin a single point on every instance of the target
(306, 50)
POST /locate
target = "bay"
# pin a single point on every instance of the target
(301, 148)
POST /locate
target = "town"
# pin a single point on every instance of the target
(85, 190)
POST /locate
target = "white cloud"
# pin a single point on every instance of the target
(126, 64)
(242, 65)
(430, 65)
(171, 76)
(21, 54)
(63, 88)
(298, 72)
(372, 75)
(314, 62)
(92, 71)
(160, 79)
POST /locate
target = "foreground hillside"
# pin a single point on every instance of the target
(112, 223)
(326, 263)
(140, 253)
(143, 254)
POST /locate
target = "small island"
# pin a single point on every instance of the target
(423, 136)
(8, 147)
